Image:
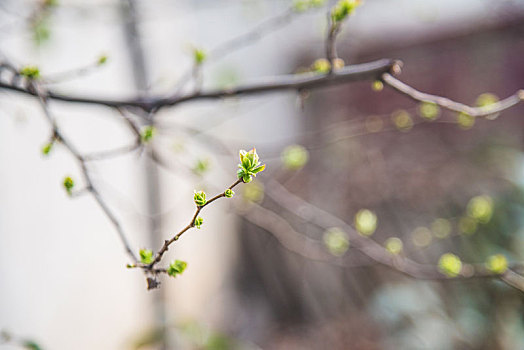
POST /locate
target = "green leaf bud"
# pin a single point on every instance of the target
(198, 222)
(199, 56)
(429, 110)
(200, 198)
(343, 9)
(394, 245)
(148, 133)
(338, 63)
(336, 241)
(30, 72)
(465, 121)
(366, 222)
(46, 149)
(377, 85)
(176, 268)
(31, 345)
(229, 193)
(294, 157)
(146, 256)
(497, 263)
(321, 65)
(101, 60)
(68, 184)
(402, 120)
(480, 208)
(249, 165)
(450, 265)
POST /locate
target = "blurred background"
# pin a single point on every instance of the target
(261, 276)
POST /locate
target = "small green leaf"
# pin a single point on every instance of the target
(176, 268)
(46, 149)
(146, 256)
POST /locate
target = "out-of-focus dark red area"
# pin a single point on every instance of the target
(409, 178)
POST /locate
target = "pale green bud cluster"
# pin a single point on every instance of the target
(343, 9)
(200, 198)
(101, 60)
(394, 245)
(249, 165)
(497, 263)
(450, 265)
(199, 56)
(377, 85)
(429, 110)
(30, 72)
(148, 133)
(199, 222)
(336, 241)
(366, 222)
(304, 5)
(68, 185)
(176, 268)
(146, 256)
(229, 193)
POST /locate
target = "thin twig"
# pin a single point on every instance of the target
(191, 224)
(451, 105)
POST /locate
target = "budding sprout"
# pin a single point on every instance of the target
(229, 193)
(198, 222)
(102, 60)
(148, 133)
(69, 184)
(176, 268)
(30, 72)
(249, 165)
(146, 256)
(200, 56)
(200, 198)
